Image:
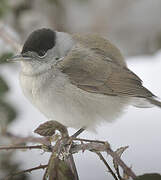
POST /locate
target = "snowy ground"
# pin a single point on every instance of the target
(138, 128)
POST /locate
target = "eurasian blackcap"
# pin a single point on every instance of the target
(78, 80)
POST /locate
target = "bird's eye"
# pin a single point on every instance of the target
(42, 53)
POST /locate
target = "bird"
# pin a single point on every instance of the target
(79, 80)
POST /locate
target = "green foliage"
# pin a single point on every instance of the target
(63, 171)
(8, 167)
(7, 113)
(3, 7)
(56, 2)
(60, 170)
(153, 176)
(83, 1)
(5, 56)
(3, 87)
(48, 128)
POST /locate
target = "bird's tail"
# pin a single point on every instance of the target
(154, 101)
(147, 102)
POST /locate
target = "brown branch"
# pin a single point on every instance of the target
(88, 146)
(26, 171)
(99, 146)
(31, 139)
(119, 152)
(59, 148)
(106, 164)
(103, 147)
(118, 173)
(119, 161)
(85, 144)
(87, 140)
(70, 161)
(52, 160)
(20, 147)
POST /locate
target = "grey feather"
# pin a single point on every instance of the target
(101, 73)
(154, 101)
(82, 81)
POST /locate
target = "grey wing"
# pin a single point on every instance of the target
(90, 72)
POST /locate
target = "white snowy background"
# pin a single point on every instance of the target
(140, 129)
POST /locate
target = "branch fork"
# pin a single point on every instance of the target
(61, 163)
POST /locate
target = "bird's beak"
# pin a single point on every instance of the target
(20, 57)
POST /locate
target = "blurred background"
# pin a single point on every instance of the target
(135, 27)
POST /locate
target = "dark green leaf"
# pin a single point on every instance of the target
(3, 7)
(61, 171)
(56, 2)
(3, 87)
(7, 113)
(153, 176)
(8, 166)
(5, 56)
(48, 128)
(83, 1)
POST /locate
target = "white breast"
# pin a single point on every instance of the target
(57, 99)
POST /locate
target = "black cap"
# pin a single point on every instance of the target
(40, 41)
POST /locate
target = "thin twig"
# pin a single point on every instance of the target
(57, 150)
(31, 139)
(99, 146)
(103, 147)
(88, 146)
(70, 160)
(20, 147)
(115, 156)
(118, 173)
(87, 140)
(27, 171)
(106, 164)
(119, 152)
(78, 133)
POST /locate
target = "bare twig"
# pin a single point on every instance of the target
(99, 146)
(119, 151)
(107, 165)
(31, 139)
(27, 171)
(78, 132)
(118, 173)
(106, 147)
(85, 144)
(88, 146)
(116, 157)
(87, 140)
(61, 146)
(70, 160)
(20, 147)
